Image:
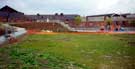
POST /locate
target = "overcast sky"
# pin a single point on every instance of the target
(82, 7)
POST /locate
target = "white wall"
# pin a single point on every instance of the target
(118, 19)
(131, 16)
(100, 18)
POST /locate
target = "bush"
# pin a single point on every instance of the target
(78, 20)
(132, 23)
(2, 31)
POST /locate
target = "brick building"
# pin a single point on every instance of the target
(123, 19)
(8, 14)
(52, 17)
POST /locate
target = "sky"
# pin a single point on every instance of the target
(82, 7)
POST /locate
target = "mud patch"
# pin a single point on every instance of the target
(131, 43)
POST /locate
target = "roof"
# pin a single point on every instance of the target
(3, 14)
(131, 16)
(53, 17)
(104, 15)
(8, 10)
(12, 13)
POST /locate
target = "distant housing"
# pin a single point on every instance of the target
(11, 15)
(124, 19)
(8, 14)
(47, 18)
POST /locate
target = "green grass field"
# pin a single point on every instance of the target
(70, 51)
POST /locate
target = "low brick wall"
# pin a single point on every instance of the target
(41, 26)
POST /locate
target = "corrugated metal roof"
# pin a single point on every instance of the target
(104, 15)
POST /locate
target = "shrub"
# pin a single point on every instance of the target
(132, 23)
(2, 30)
(78, 20)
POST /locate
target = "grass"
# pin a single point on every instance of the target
(71, 51)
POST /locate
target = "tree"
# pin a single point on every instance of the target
(38, 14)
(2, 31)
(56, 14)
(78, 20)
(61, 14)
(108, 21)
(132, 22)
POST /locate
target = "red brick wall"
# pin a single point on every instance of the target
(85, 24)
(40, 26)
